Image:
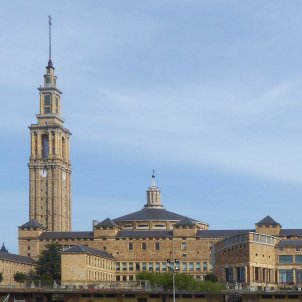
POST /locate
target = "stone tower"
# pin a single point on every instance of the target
(49, 164)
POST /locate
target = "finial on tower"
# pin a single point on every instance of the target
(49, 30)
(153, 184)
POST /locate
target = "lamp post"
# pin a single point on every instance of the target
(173, 267)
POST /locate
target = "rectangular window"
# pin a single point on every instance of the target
(130, 266)
(184, 266)
(47, 103)
(191, 266)
(118, 266)
(150, 266)
(144, 266)
(144, 246)
(124, 266)
(285, 259)
(197, 266)
(130, 246)
(183, 246)
(298, 258)
(240, 274)
(137, 267)
(157, 266)
(156, 246)
(298, 276)
(285, 276)
(164, 266)
(229, 274)
(204, 266)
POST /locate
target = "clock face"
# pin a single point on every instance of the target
(43, 172)
(64, 175)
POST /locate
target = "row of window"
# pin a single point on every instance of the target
(156, 246)
(160, 266)
(287, 259)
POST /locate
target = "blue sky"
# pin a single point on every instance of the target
(208, 93)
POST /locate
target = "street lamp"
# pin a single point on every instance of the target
(173, 267)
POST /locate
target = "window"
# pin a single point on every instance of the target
(298, 276)
(143, 226)
(285, 259)
(198, 266)
(183, 246)
(45, 146)
(157, 266)
(229, 274)
(298, 258)
(184, 266)
(137, 267)
(150, 266)
(157, 246)
(159, 226)
(240, 274)
(191, 266)
(57, 104)
(130, 266)
(130, 246)
(124, 266)
(118, 266)
(298, 249)
(144, 246)
(204, 266)
(47, 99)
(144, 266)
(164, 266)
(285, 276)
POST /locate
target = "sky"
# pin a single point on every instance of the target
(207, 93)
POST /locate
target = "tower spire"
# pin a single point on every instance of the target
(153, 183)
(49, 37)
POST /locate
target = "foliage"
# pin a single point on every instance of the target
(19, 277)
(211, 277)
(182, 282)
(49, 263)
(1, 277)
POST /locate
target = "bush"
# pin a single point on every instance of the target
(211, 277)
(19, 277)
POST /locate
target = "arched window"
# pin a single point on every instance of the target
(45, 146)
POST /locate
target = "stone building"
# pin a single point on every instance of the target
(269, 256)
(145, 239)
(11, 264)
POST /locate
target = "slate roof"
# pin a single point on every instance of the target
(144, 234)
(283, 243)
(107, 223)
(185, 222)
(149, 214)
(32, 224)
(220, 233)
(291, 232)
(268, 220)
(66, 235)
(16, 258)
(79, 249)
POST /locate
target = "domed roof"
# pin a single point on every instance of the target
(151, 214)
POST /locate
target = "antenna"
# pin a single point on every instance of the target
(49, 30)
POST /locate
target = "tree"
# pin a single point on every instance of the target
(49, 263)
(211, 277)
(19, 277)
(1, 277)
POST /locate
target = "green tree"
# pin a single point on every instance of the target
(1, 277)
(182, 282)
(211, 277)
(49, 263)
(19, 277)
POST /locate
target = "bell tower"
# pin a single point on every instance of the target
(49, 163)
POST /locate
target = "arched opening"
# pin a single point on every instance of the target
(45, 146)
(63, 147)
